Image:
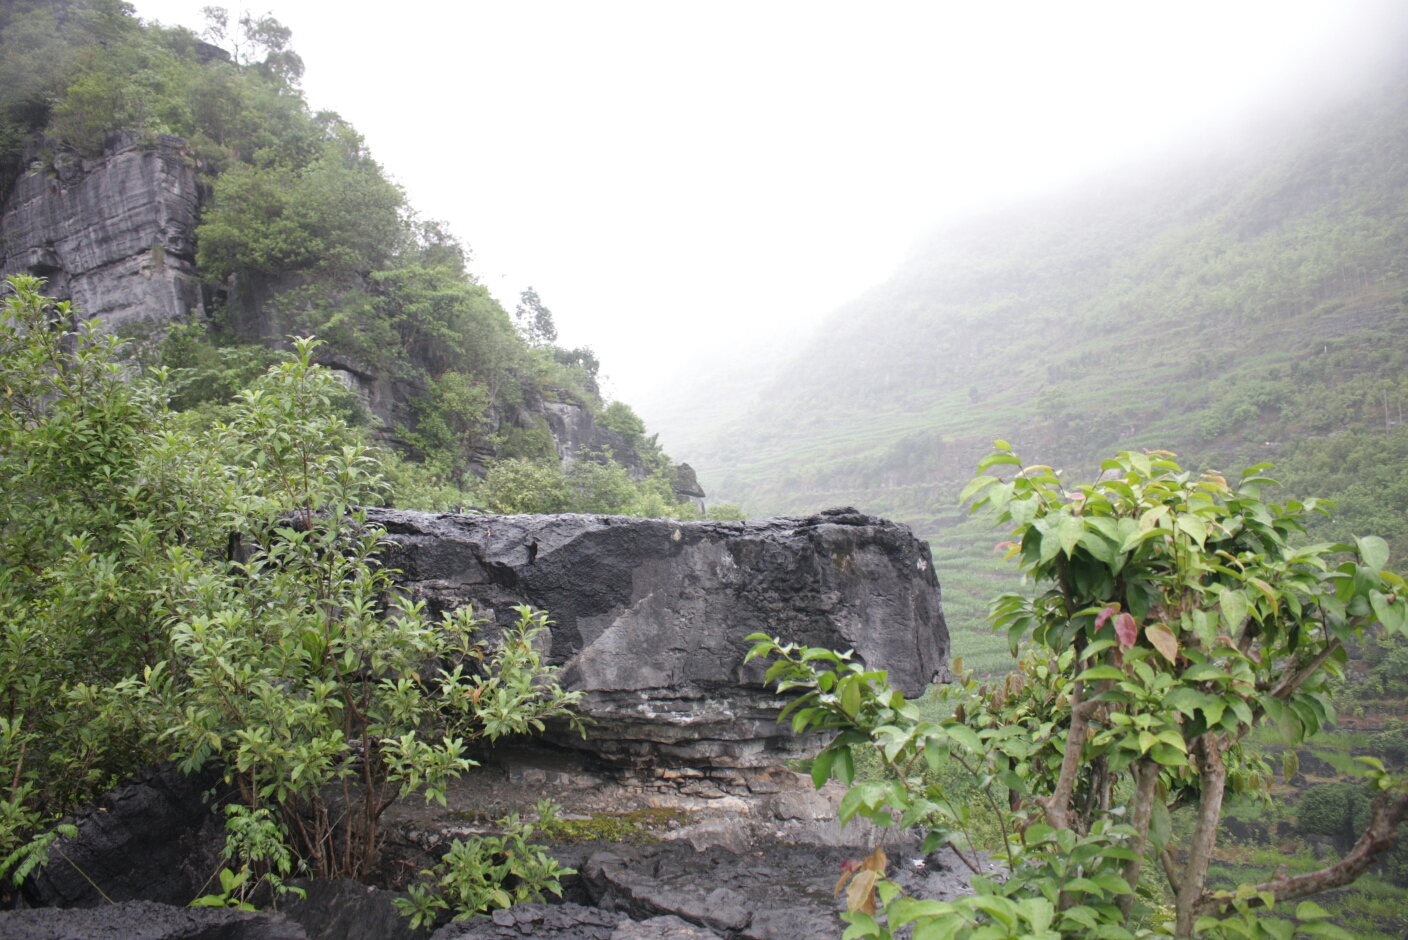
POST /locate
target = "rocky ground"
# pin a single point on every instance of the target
(667, 853)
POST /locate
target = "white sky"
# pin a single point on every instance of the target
(680, 181)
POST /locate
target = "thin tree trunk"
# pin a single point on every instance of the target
(1213, 774)
(1058, 805)
(1146, 781)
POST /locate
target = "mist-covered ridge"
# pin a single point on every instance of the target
(1242, 308)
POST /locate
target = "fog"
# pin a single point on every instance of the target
(690, 187)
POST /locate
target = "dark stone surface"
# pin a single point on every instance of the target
(115, 235)
(347, 910)
(776, 892)
(650, 615)
(554, 921)
(146, 920)
(155, 837)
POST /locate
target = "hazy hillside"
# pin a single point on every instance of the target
(1242, 308)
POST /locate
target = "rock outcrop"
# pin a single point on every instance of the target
(775, 891)
(347, 910)
(155, 837)
(115, 235)
(146, 920)
(650, 616)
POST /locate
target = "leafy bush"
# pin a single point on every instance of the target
(1173, 615)
(206, 590)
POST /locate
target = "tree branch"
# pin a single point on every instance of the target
(1170, 870)
(1292, 682)
(1377, 839)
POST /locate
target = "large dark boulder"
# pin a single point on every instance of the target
(347, 910)
(155, 837)
(146, 920)
(650, 616)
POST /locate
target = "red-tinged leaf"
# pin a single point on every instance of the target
(1105, 615)
(1127, 630)
(1163, 639)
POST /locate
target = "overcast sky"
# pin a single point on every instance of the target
(679, 180)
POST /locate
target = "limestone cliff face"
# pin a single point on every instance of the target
(115, 235)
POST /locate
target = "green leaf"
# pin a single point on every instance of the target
(1392, 616)
(965, 736)
(845, 766)
(821, 768)
(1309, 910)
(1070, 532)
(1168, 756)
(935, 754)
(1085, 885)
(1203, 672)
(998, 459)
(976, 486)
(1111, 882)
(1234, 609)
(1373, 551)
(1102, 671)
(1194, 527)
(1204, 628)
(1160, 825)
(850, 696)
(862, 925)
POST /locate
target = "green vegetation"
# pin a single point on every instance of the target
(637, 827)
(1174, 615)
(201, 587)
(303, 234)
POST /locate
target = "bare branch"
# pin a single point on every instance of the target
(1377, 839)
(1299, 678)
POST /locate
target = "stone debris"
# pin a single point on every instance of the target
(146, 920)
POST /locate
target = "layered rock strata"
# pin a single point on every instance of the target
(115, 235)
(650, 616)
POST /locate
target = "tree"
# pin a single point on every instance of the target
(534, 319)
(255, 36)
(1174, 613)
(209, 592)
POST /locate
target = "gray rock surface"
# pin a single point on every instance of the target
(154, 837)
(577, 436)
(668, 927)
(146, 920)
(780, 891)
(553, 921)
(650, 616)
(114, 235)
(347, 910)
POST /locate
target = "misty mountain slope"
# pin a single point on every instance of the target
(1231, 304)
(1238, 309)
